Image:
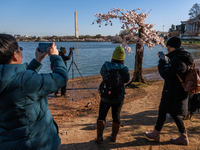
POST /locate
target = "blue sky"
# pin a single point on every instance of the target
(56, 17)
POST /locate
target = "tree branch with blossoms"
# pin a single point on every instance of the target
(133, 22)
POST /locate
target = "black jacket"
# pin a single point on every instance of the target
(64, 57)
(174, 99)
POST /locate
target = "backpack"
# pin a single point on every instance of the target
(192, 80)
(112, 85)
(194, 102)
(193, 105)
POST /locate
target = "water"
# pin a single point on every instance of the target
(90, 56)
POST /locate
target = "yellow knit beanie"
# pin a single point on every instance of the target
(119, 53)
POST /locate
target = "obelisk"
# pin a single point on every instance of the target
(76, 25)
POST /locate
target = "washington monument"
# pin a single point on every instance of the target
(76, 25)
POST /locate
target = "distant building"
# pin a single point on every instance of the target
(17, 36)
(164, 34)
(191, 27)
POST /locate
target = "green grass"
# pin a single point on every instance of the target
(189, 42)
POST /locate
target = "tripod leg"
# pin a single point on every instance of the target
(69, 67)
(81, 76)
(72, 81)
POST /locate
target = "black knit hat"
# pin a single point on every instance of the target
(174, 42)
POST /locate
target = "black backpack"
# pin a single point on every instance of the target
(112, 85)
(193, 103)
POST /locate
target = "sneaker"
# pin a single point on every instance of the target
(65, 95)
(56, 94)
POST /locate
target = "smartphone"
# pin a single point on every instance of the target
(162, 56)
(43, 46)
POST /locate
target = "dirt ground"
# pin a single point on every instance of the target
(76, 116)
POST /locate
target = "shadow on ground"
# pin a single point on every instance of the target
(131, 127)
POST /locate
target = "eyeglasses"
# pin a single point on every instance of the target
(20, 48)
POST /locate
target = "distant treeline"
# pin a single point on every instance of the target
(97, 37)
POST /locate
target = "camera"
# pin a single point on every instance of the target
(43, 46)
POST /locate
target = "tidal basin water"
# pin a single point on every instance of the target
(90, 56)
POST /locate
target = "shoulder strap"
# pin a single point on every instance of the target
(179, 78)
(192, 65)
(116, 70)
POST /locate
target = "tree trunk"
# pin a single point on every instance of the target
(137, 76)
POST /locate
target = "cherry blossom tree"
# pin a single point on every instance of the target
(136, 30)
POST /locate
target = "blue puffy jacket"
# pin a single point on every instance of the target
(124, 71)
(25, 119)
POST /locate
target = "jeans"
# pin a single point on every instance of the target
(116, 109)
(162, 117)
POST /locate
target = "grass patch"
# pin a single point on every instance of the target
(191, 42)
(136, 84)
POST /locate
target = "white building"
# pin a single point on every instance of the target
(192, 27)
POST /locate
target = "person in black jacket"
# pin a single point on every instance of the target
(65, 58)
(174, 99)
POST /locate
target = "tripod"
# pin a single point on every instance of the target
(72, 65)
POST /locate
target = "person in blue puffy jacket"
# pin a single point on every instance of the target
(117, 63)
(25, 119)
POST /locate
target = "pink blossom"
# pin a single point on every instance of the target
(128, 49)
(133, 23)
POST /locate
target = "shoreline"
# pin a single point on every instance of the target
(145, 71)
(183, 45)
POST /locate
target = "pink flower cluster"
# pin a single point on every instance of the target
(134, 23)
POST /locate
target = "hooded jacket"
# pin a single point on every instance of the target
(124, 71)
(174, 99)
(25, 119)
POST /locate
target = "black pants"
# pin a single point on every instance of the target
(116, 109)
(63, 90)
(162, 117)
